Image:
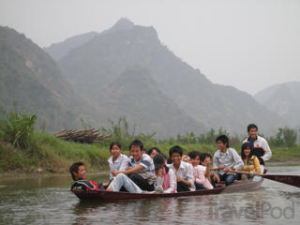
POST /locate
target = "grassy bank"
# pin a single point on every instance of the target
(50, 154)
(23, 150)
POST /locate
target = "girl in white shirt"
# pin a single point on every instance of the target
(117, 161)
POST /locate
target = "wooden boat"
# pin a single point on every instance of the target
(113, 196)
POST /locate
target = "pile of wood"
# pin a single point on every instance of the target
(83, 136)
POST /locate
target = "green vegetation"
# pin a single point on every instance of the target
(24, 150)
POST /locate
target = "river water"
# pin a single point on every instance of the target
(47, 200)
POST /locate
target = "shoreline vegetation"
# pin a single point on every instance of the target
(26, 151)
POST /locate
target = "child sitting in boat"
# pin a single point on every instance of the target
(184, 171)
(78, 174)
(201, 172)
(140, 167)
(165, 176)
(251, 162)
(117, 160)
(226, 159)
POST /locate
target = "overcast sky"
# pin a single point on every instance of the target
(248, 44)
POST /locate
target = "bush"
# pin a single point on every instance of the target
(17, 129)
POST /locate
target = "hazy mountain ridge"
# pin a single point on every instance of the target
(282, 99)
(135, 94)
(32, 81)
(99, 62)
(58, 50)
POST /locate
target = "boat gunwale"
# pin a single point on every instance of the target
(106, 195)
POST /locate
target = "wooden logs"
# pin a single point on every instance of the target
(83, 136)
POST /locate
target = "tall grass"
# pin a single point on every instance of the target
(17, 129)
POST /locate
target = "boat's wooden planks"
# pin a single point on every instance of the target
(112, 196)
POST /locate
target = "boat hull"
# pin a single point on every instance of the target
(114, 196)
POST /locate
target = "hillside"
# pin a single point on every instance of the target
(31, 81)
(97, 63)
(59, 50)
(282, 99)
(136, 95)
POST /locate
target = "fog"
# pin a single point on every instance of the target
(249, 44)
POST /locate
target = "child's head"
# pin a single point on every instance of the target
(115, 149)
(153, 151)
(222, 142)
(246, 150)
(175, 154)
(77, 171)
(205, 159)
(194, 158)
(136, 149)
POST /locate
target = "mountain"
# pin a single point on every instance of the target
(99, 62)
(31, 81)
(282, 99)
(59, 50)
(135, 94)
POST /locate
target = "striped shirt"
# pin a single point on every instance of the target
(146, 161)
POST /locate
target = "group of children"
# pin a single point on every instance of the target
(151, 171)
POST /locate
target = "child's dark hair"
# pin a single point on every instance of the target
(159, 160)
(203, 156)
(136, 143)
(75, 168)
(115, 143)
(194, 154)
(153, 148)
(175, 149)
(246, 145)
(250, 126)
(224, 139)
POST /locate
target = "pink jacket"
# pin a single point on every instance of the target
(199, 173)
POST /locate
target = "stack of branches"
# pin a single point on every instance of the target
(83, 136)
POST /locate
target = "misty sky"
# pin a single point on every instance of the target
(248, 44)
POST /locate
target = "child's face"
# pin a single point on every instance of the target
(80, 175)
(176, 158)
(221, 145)
(136, 153)
(206, 162)
(195, 161)
(153, 153)
(253, 133)
(247, 151)
(115, 151)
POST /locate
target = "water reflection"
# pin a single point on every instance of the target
(48, 200)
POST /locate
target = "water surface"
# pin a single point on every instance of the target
(47, 200)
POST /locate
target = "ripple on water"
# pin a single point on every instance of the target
(55, 204)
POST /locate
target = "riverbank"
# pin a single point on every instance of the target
(47, 154)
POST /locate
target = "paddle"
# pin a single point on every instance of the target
(293, 180)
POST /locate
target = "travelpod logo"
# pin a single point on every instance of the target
(259, 209)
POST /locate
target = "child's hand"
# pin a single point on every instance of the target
(115, 173)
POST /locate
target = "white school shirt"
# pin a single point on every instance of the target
(186, 172)
(230, 159)
(119, 165)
